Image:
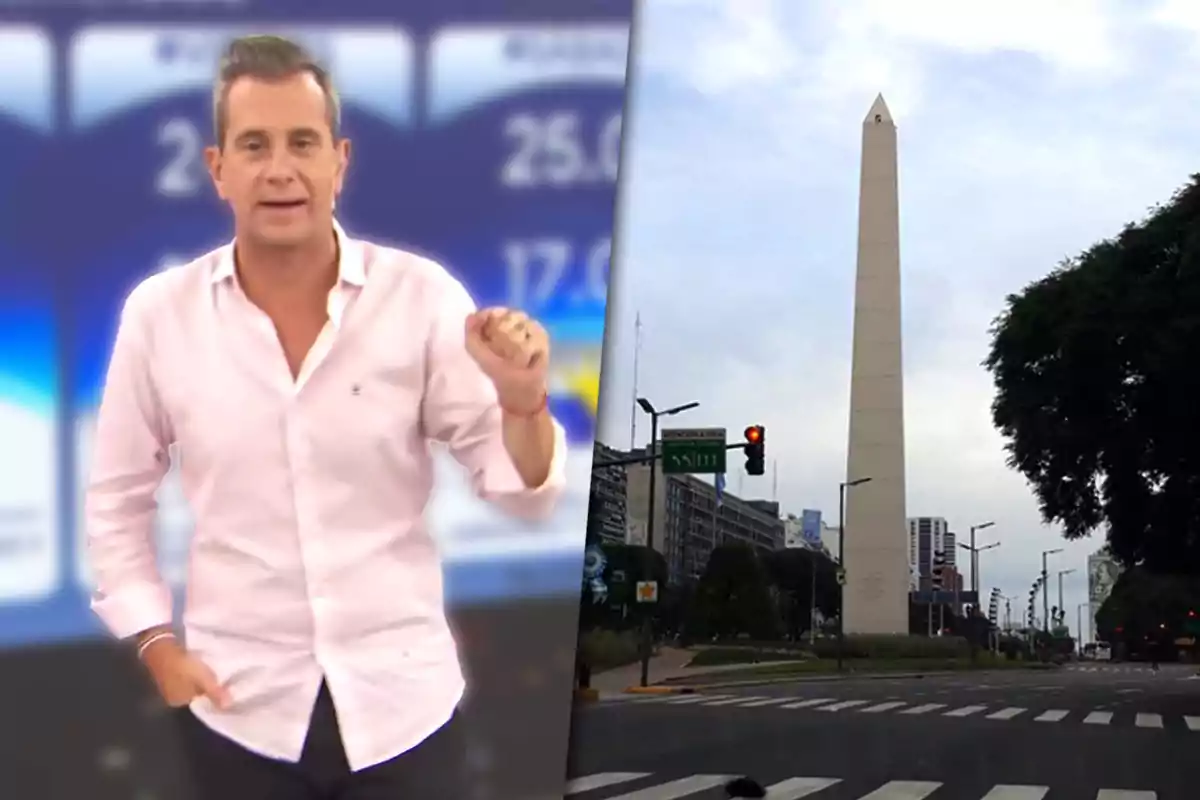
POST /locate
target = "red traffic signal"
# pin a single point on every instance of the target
(754, 448)
(1191, 612)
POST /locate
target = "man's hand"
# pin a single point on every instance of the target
(514, 351)
(181, 677)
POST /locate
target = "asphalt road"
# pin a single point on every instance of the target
(1063, 735)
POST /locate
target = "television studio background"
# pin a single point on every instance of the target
(485, 135)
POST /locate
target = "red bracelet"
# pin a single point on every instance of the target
(542, 406)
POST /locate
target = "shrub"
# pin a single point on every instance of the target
(720, 656)
(894, 647)
(604, 649)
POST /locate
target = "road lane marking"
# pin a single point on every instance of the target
(796, 788)
(1098, 718)
(924, 709)
(879, 709)
(601, 780)
(844, 705)
(816, 701)
(1126, 794)
(1053, 715)
(965, 711)
(741, 699)
(1193, 723)
(1006, 713)
(684, 787)
(688, 699)
(903, 790)
(771, 701)
(1010, 792)
(1148, 720)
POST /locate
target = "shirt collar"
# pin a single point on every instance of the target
(351, 266)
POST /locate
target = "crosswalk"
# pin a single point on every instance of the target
(648, 786)
(997, 712)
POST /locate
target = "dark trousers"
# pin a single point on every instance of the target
(224, 770)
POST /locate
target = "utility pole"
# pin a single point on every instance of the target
(637, 353)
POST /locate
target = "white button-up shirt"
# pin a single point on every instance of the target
(310, 557)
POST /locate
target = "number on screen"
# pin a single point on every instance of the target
(181, 175)
(548, 150)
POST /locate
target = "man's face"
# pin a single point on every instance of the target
(280, 169)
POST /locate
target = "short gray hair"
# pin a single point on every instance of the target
(268, 58)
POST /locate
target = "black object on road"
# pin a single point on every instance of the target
(744, 787)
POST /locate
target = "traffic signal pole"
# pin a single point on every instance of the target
(647, 459)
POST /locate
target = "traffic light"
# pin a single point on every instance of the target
(755, 448)
(937, 571)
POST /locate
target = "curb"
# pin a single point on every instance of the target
(587, 695)
(660, 689)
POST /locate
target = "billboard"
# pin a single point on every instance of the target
(810, 527)
(1103, 571)
(485, 136)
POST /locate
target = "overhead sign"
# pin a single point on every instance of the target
(693, 450)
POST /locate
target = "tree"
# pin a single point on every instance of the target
(733, 595)
(791, 570)
(1146, 609)
(1096, 379)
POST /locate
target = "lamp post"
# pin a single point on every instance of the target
(1062, 610)
(1046, 587)
(975, 557)
(842, 565)
(1079, 625)
(647, 621)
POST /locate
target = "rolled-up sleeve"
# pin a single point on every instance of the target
(129, 460)
(462, 410)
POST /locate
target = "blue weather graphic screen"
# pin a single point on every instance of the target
(492, 149)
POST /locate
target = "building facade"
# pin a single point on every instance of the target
(609, 487)
(689, 524)
(928, 537)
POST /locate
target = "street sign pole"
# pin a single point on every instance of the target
(648, 570)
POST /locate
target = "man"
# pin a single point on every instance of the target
(299, 374)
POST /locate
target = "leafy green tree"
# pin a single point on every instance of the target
(733, 596)
(1145, 607)
(791, 571)
(1096, 374)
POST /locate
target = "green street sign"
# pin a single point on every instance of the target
(699, 451)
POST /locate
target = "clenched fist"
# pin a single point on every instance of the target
(514, 351)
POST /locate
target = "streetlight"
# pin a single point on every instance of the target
(842, 564)
(647, 625)
(1062, 610)
(975, 557)
(1079, 626)
(1046, 586)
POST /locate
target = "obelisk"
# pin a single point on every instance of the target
(876, 536)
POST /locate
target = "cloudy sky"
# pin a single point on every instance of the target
(1027, 132)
